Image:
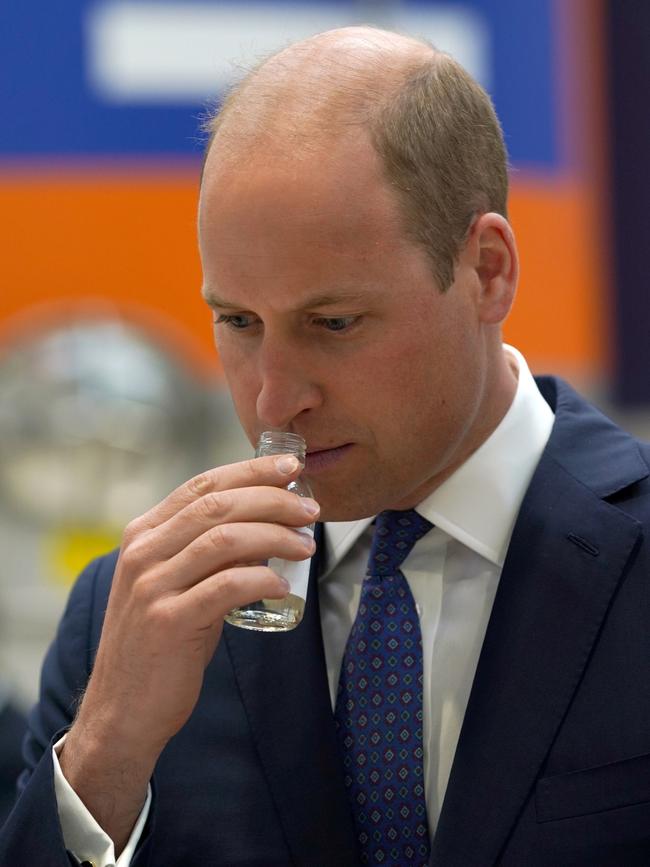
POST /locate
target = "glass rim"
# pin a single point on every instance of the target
(279, 437)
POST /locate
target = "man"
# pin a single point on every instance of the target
(359, 264)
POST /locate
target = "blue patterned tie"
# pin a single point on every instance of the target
(379, 704)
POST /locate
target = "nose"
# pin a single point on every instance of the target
(288, 387)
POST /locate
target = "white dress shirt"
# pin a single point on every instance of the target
(453, 572)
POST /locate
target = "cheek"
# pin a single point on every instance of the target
(422, 394)
(377, 394)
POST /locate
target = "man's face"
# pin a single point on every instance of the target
(329, 324)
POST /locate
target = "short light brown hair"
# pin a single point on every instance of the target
(433, 126)
(443, 152)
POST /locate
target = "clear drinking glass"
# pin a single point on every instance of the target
(280, 615)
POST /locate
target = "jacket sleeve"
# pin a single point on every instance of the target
(32, 833)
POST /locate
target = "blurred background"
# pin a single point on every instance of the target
(110, 388)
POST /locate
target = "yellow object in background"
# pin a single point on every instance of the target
(68, 549)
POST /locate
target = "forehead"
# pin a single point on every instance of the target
(282, 228)
(333, 188)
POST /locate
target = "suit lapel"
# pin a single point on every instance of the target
(566, 558)
(283, 684)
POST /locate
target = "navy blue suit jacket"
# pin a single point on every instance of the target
(553, 762)
(12, 730)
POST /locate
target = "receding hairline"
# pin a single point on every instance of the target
(432, 126)
(311, 90)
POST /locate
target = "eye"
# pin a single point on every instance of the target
(336, 323)
(236, 321)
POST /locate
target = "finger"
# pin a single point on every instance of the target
(218, 549)
(275, 470)
(257, 505)
(209, 601)
(229, 546)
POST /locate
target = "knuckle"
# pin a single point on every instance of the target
(200, 485)
(130, 556)
(216, 505)
(221, 537)
(251, 468)
(227, 582)
(136, 552)
(131, 531)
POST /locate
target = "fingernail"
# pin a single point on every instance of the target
(311, 507)
(287, 464)
(307, 540)
(285, 584)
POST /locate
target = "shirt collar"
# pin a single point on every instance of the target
(497, 474)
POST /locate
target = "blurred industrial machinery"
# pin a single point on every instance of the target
(97, 424)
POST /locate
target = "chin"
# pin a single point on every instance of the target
(340, 508)
(343, 514)
(343, 508)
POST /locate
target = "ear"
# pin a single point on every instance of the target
(496, 264)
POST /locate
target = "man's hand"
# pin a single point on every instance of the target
(182, 567)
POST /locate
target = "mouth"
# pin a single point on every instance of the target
(318, 460)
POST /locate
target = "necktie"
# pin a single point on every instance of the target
(379, 704)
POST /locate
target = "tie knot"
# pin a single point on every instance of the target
(395, 535)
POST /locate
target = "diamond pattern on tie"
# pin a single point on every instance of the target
(379, 704)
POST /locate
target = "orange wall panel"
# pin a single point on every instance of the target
(129, 240)
(559, 316)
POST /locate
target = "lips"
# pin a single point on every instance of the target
(322, 459)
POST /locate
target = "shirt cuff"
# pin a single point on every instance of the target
(82, 835)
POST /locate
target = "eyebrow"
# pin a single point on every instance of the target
(214, 301)
(321, 300)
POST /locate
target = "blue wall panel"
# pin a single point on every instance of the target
(48, 107)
